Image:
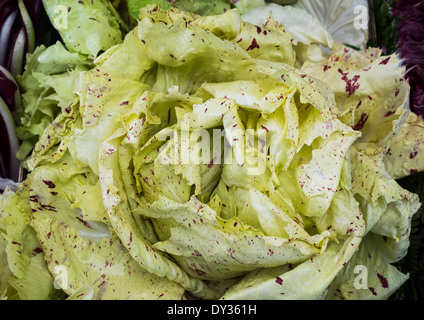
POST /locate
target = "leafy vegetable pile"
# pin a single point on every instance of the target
(203, 156)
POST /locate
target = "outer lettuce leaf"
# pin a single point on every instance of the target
(134, 6)
(406, 154)
(377, 108)
(304, 27)
(269, 42)
(53, 142)
(246, 5)
(196, 236)
(387, 207)
(180, 65)
(125, 225)
(387, 210)
(310, 39)
(108, 270)
(101, 101)
(310, 279)
(200, 7)
(367, 276)
(95, 16)
(81, 247)
(306, 281)
(203, 7)
(25, 271)
(47, 84)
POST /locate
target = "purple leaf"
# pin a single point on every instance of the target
(410, 19)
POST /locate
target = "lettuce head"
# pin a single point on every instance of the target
(197, 159)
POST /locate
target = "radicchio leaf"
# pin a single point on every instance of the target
(410, 16)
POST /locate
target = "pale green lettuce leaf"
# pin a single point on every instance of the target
(95, 16)
(53, 142)
(200, 7)
(367, 276)
(378, 108)
(305, 28)
(186, 61)
(314, 177)
(101, 101)
(406, 153)
(5, 272)
(209, 249)
(311, 41)
(305, 281)
(155, 178)
(269, 41)
(257, 210)
(47, 90)
(246, 5)
(310, 279)
(387, 207)
(264, 95)
(25, 270)
(119, 208)
(85, 292)
(108, 269)
(203, 7)
(79, 240)
(134, 6)
(282, 128)
(54, 189)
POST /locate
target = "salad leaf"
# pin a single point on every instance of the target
(310, 38)
(203, 7)
(134, 6)
(70, 17)
(46, 87)
(28, 276)
(381, 282)
(83, 242)
(245, 6)
(405, 156)
(304, 27)
(351, 76)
